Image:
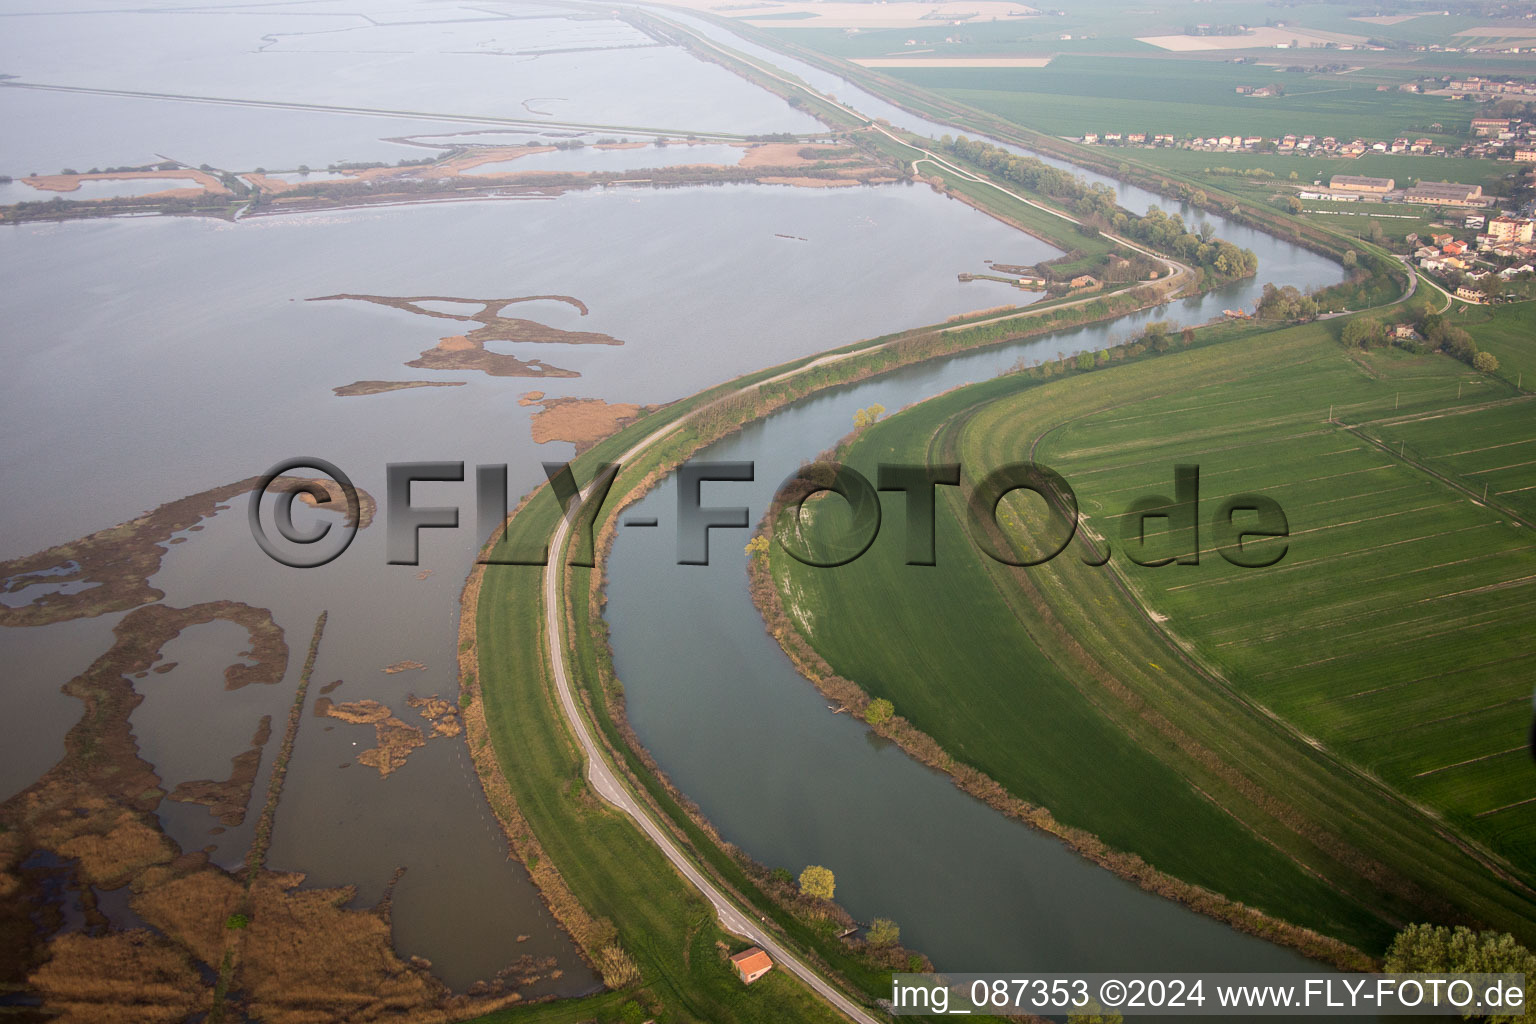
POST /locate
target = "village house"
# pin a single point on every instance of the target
(1526, 155)
(1469, 294)
(751, 964)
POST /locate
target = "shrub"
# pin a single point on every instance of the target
(879, 711)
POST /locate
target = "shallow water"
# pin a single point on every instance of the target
(212, 376)
(164, 356)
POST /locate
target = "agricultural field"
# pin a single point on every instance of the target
(1183, 97)
(1325, 704)
(1509, 332)
(1074, 95)
(1405, 169)
(1405, 602)
(1100, 27)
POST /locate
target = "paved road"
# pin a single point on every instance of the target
(611, 789)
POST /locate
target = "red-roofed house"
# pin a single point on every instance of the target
(751, 964)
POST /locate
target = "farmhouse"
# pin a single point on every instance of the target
(1445, 193)
(1087, 281)
(751, 964)
(1353, 183)
(1490, 125)
(1469, 294)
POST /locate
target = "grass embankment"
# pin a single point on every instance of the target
(1064, 684)
(620, 879)
(535, 782)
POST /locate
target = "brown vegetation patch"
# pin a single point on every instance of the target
(404, 666)
(443, 715)
(120, 559)
(395, 738)
(229, 799)
(468, 351)
(379, 387)
(793, 154)
(119, 978)
(71, 182)
(289, 956)
(582, 421)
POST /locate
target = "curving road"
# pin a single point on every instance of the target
(608, 785)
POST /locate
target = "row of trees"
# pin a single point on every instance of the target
(1436, 333)
(1100, 210)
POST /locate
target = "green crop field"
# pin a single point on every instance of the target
(1402, 637)
(1178, 96)
(1405, 169)
(1322, 704)
(1509, 332)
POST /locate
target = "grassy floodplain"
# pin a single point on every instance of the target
(1074, 95)
(1292, 736)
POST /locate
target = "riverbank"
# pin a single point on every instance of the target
(546, 793)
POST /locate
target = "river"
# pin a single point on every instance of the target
(152, 358)
(737, 729)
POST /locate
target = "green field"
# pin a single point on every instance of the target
(1509, 332)
(1100, 26)
(1182, 97)
(1405, 169)
(1136, 702)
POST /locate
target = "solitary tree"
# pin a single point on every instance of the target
(1350, 259)
(879, 710)
(1485, 362)
(757, 546)
(817, 881)
(864, 417)
(883, 932)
